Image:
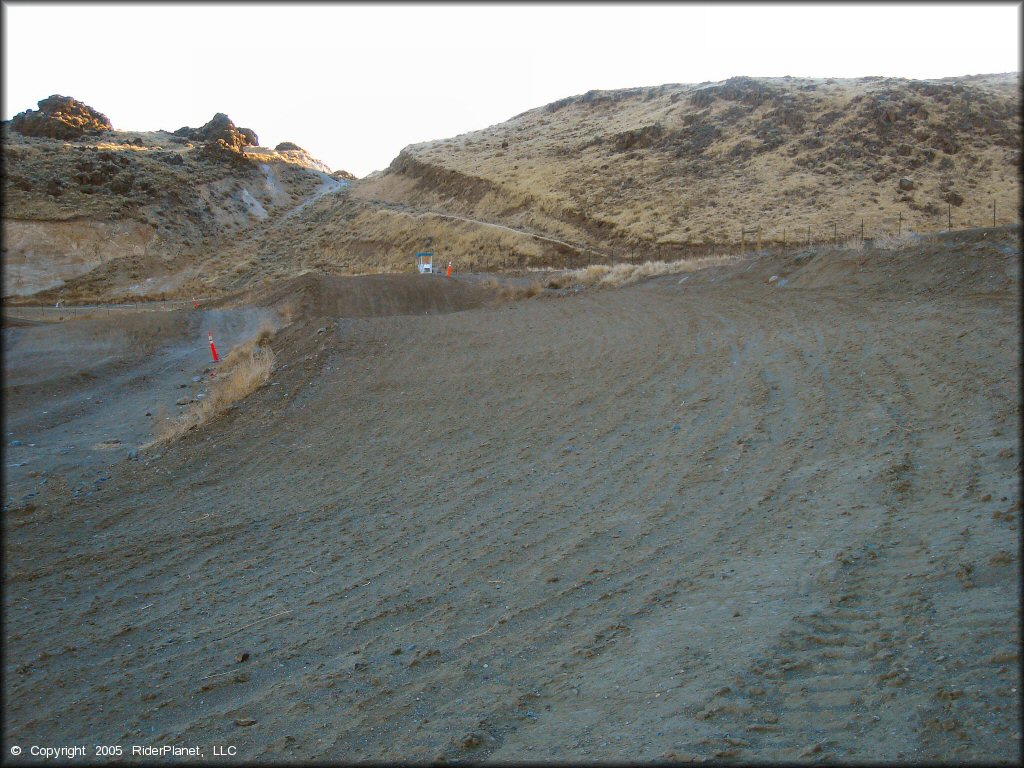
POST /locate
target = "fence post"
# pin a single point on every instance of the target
(949, 218)
(862, 231)
(993, 211)
(808, 234)
(783, 237)
(835, 233)
(758, 238)
(899, 226)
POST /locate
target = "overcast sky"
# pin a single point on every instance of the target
(354, 83)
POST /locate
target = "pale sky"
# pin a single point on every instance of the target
(355, 83)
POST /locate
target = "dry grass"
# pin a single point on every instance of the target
(244, 370)
(616, 275)
(566, 164)
(514, 292)
(288, 312)
(264, 333)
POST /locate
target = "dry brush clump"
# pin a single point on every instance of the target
(244, 370)
(616, 275)
(515, 292)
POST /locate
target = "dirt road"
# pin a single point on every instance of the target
(702, 516)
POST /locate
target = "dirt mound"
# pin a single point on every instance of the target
(315, 295)
(60, 117)
(221, 128)
(977, 261)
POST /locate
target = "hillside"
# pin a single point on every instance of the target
(677, 167)
(128, 212)
(658, 172)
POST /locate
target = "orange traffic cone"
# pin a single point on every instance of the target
(449, 272)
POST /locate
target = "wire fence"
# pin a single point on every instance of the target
(861, 231)
(857, 232)
(771, 234)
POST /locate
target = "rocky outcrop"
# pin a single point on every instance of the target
(219, 151)
(60, 117)
(287, 146)
(222, 129)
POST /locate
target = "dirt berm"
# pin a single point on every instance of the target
(320, 295)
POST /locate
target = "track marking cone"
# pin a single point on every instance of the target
(213, 349)
(449, 272)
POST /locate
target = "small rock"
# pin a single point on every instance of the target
(197, 378)
(183, 401)
(16, 443)
(773, 278)
(245, 722)
(321, 330)
(906, 184)
(242, 657)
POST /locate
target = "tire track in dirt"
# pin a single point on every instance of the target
(492, 541)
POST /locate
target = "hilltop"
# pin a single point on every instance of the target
(654, 172)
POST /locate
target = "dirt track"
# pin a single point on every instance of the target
(701, 516)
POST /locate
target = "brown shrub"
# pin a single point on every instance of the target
(244, 370)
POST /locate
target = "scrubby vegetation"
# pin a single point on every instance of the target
(242, 371)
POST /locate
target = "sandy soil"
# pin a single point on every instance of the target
(703, 516)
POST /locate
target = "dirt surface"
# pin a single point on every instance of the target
(703, 516)
(84, 394)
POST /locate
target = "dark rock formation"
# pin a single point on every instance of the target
(220, 128)
(60, 117)
(219, 151)
(287, 146)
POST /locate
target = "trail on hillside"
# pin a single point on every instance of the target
(328, 186)
(421, 212)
